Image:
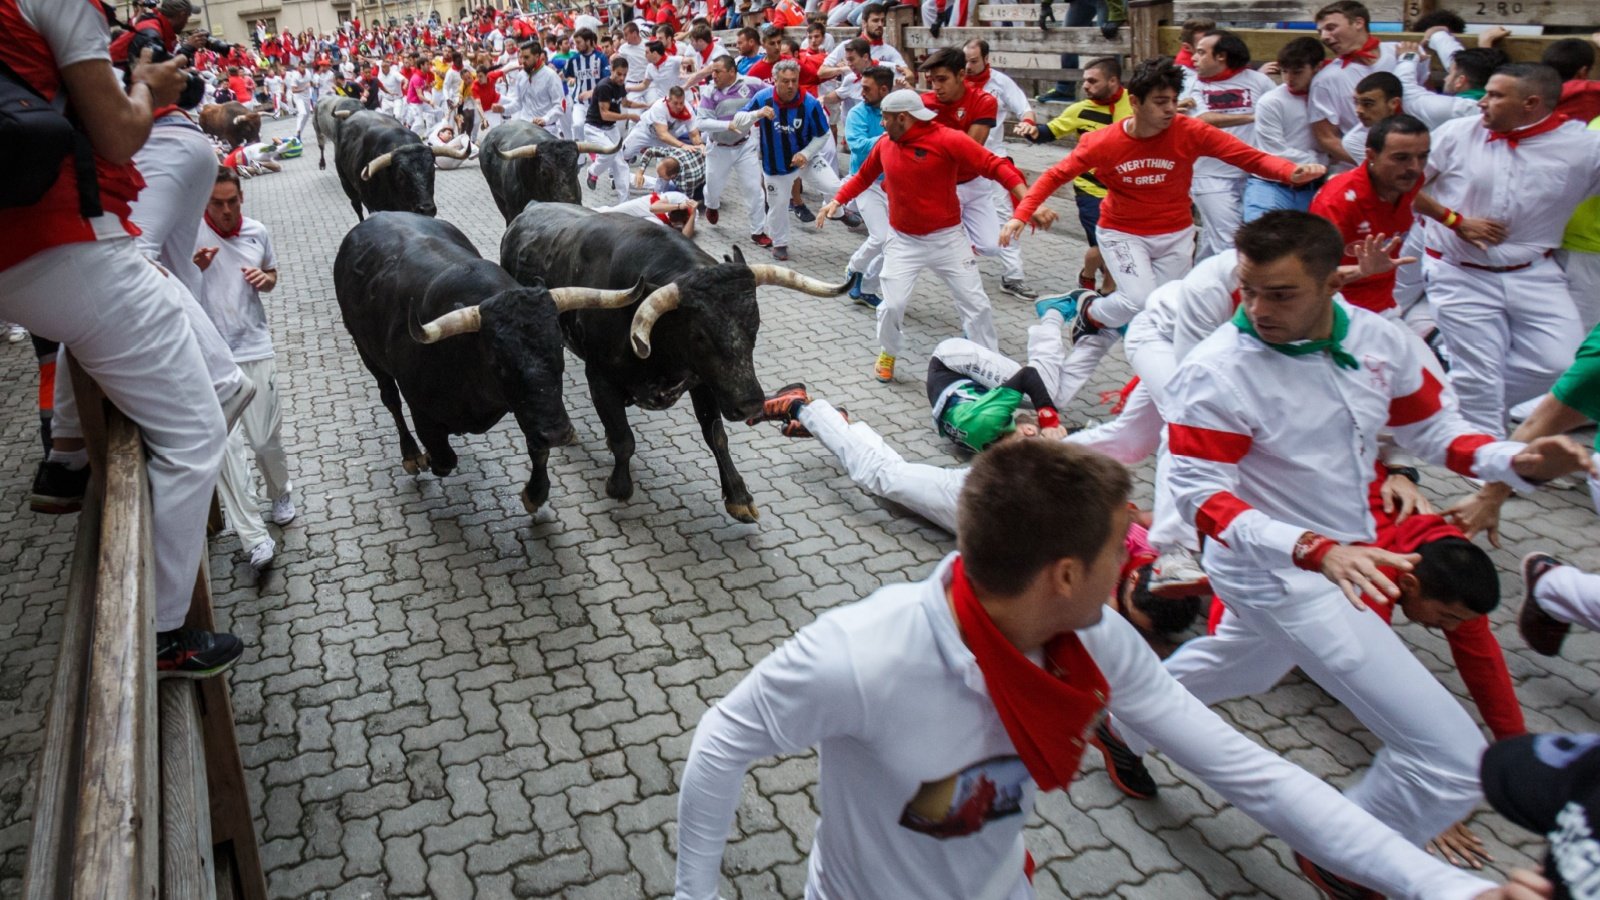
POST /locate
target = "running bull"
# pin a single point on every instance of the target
(384, 165)
(694, 332)
(231, 123)
(330, 114)
(523, 163)
(462, 341)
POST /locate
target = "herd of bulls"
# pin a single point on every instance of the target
(463, 340)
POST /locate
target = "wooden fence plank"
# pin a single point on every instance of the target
(1583, 13)
(1010, 12)
(187, 869)
(1087, 41)
(1264, 43)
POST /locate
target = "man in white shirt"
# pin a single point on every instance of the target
(532, 91)
(392, 86)
(632, 49)
(299, 85)
(1342, 26)
(237, 264)
(1224, 93)
(670, 209)
(730, 154)
(941, 709)
(873, 19)
(663, 71)
(669, 122)
(274, 84)
(1009, 99)
(1283, 128)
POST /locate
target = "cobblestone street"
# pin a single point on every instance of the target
(441, 698)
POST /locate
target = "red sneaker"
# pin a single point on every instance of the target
(781, 406)
(761, 240)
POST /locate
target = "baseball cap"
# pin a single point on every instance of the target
(907, 101)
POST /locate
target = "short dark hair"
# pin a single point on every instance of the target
(1154, 74)
(751, 33)
(883, 75)
(1235, 54)
(619, 62)
(1455, 570)
(228, 175)
(1302, 51)
(859, 46)
(1350, 9)
(725, 62)
(815, 25)
(791, 44)
(701, 33)
(531, 45)
(1381, 81)
(981, 44)
(1536, 78)
(873, 9)
(1452, 22)
(1028, 503)
(949, 58)
(676, 92)
(1476, 64)
(587, 34)
(655, 47)
(1288, 232)
(1193, 28)
(1568, 57)
(1110, 65)
(1396, 124)
(769, 32)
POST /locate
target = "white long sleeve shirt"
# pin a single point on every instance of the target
(1333, 88)
(1532, 188)
(1235, 95)
(1011, 102)
(1266, 446)
(527, 97)
(1283, 127)
(910, 743)
(1433, 109)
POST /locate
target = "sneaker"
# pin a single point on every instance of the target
(1016, 288)
(1082, 325)
(1332, 886)
(1055, 95)
(803, 212)
(712, 217)
(761, 240)
(1125, 767)
(884, 369)
(1175, 574)
(192, 653)
(283, 511)
(871, 301)
(16, 334)
(781, 406)
(1542, 631)
(793, 428)
(262, 553)
(58, 489)
(1065, 304)
(850, 219)
(781, 254)
(593, 181)
(1517, 414)
(853, 279)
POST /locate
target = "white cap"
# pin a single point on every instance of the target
(906, 100)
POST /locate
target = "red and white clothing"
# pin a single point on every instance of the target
(882, 54)
(935, 805)
(1333, 88)
(1351, 203)
(1009, 100)
(1218, 188)
(639, 207)
(526, 97)
(1570, 595)
(978, 216)
(643, 133)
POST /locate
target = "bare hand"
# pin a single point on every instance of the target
(165, 80)
(1271, 68)
(798, 161)
(1480, 512)
(826, 213)
(1460, 847)
(1026, 129)
(1402, 497)
(256, 278)
(1405, 47)
(204, 256)
(1054, 433)
(1011, 231)
(1523, 884)
(1355, 570)
(1489, 36)
(1043, 218)
(1481, 233)
(539, 121)
(1551, 457)
(1187, 105)
(1305, 173)
(1372, 255)
(768, 112)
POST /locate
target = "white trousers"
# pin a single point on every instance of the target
(744, 163)
(875, 467)
(416, 117)
(978, 216)
(873, 206)
(577, 118)
(302, 112)
(613, 163)
(1010, 256)
(945, 253)
(1583, 283)
(1510, 335)
(1425, 777)
(817, 174)
(394, 106)
(259, 433)
(1221, 214)
(488, 118)
(126, 325)
(1571, 595)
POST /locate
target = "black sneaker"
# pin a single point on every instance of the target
(1543, 632)
(711, 216)
(1125, 767)
(1082, 325)
(850, 219)
(1016, 288)
(58, 489)
(803, 212)
(192, 653)
(781, 254)
(1334, 887)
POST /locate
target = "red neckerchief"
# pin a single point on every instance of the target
(798, 101)
(1221, 76)
(654, 197)
(1512, 137)
(686, 113)
(1367, 55)
(705, 55)
(1185, 58)
(1114, 99)
(1050, 712)
(1295, 93)
(220, 233)
(977, 82)
(538, 63)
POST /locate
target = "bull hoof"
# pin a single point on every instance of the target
(415, 464)
(570, 439)
(619, 490)
(322, 164)
(440, 469)
(542, 515)
(744, 512)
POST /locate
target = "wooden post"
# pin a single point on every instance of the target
(897, 20)
(1412, 10)
(187, 868)
(1144, 21)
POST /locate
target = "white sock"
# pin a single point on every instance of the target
(1053, 316)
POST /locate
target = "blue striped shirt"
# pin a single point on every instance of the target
(589, 69)
(794, 127)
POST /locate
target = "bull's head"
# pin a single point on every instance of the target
(405, 177)
(247, 128)
(552, 173)
(716, 339)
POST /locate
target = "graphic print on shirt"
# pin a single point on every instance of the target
(961, 804)
(1228, 100)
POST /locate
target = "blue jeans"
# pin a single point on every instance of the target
(1089, 215)
(1261, 197)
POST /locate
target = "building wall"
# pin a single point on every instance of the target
(234, 20)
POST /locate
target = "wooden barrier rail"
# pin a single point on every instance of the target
(141, 787)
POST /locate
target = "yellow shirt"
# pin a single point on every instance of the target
(1083, 117)
(1583, 229)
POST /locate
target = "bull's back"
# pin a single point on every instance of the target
(382, 272)
(570, 245)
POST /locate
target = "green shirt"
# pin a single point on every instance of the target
(1579, 386)
(975, 417)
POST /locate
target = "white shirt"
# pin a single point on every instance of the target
(229, 301)
(1333, 88)
(1433, 109)
(299, 82)
(659, 114)
(895, 702)
(525, 98)
(664, 75)
(883, 54)
(1354, 142)
(274, 85)
(637, 62)
(1011, 100)
(1533, 189)
(392, 83)
(1283, 127)
(639, 207)
(1236, 95)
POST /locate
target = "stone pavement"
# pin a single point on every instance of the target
(440, 698)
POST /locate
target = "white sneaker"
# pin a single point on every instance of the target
(16, 334)
(1176, 574)
(261, 554)
(283, 511)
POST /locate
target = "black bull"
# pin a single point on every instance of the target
(462, 341)
(695, 332)
(383, 165)
(522, 163)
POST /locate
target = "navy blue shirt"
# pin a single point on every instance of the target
(795, 126)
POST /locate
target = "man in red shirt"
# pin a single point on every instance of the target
(974, 112)
(1573, 60)
(922, 162)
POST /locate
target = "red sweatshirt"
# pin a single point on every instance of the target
(920, 174)
(1147, 179)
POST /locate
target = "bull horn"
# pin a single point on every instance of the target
(570, 298)
(527, 151)
(343, 113)
(447, 150)
(377, 165)
(661, 301)
(460, 321)
(783, 276)
(598, 149)
(240, 120)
